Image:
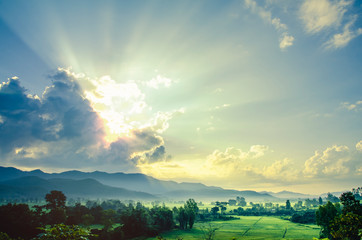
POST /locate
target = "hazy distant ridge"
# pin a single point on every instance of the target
(35, 187)
(108, 182)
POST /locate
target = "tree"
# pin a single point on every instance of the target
(75, 214)
(287, 205)
(191, 211)
(17, 220)
(4, 236)
(324, 217)
(182, 218)
(136, 221)
(241, 201)
(223, 209)
(348, 225)
(208, 232)
(162, 218)
(64, 232)
(350, 204)
(55, 199)
(214, 210)
(56, 204)
(320, 201)
(332, 198)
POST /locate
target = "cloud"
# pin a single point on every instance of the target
(235, 162)
(225, 105)
(334, 161)
(286, 40)
(159, 81)
(340, 40)
(359, 146)
(322, 15)
(255, 168)
(67, 126)
(159, 122)
(357, 106)
(281, 169)
(234, 156)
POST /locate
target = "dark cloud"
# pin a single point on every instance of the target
(61, 129)
(18, 114)
(60, 113)
(157, 154)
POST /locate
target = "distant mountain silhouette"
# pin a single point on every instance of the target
(290, 195)
(35, 187)
(134, 182)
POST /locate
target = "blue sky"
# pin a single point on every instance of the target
(261, 95)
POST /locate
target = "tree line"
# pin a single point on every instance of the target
(119, 220)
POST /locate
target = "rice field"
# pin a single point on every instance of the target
(248, 227)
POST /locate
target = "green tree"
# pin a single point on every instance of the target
(4, 236)
(17, 220)
(55, 199)
(87, 219)
(136, 221)
(182, 218)
(56, 204)
(350, 203)
(287, 205)
(348, 225)
(320, 201)
(332, 198)
(162, 218)
(64, 232)
(324, 217)
(191, 211)
(214, 210)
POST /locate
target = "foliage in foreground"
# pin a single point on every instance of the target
(64, 232)
(341, 224)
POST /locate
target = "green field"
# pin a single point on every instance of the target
(249, 228)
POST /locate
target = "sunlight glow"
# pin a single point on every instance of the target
(116, 103)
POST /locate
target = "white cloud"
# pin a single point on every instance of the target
(278, 25)
(281, 170)
(225, 105)
(357, 106)
(340, 40)
(235, 162)
(318, 15)
(321, 15)
(359, 146)
(159, 122)
(286, 40)
(159, 81)
(329, 162)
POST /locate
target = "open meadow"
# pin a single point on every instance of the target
(248, 227)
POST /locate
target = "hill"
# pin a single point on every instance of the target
(290, 195)
(141, 183)
(35, 187)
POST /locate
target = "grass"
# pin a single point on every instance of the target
(249, 227)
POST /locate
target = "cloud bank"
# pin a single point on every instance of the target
(69, 127)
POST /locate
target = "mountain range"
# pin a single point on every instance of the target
(15, 183)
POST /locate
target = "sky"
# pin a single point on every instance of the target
(241, 94)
